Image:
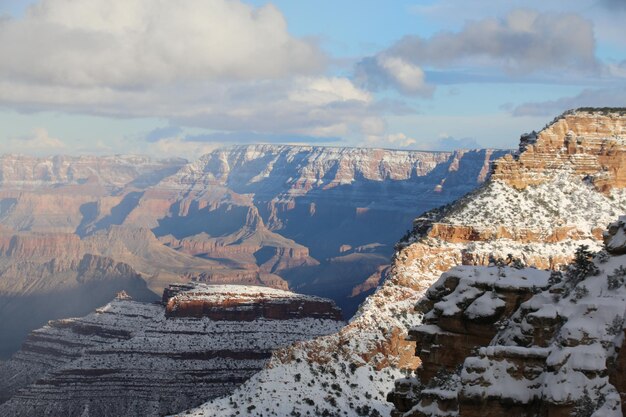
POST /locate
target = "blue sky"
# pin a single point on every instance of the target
(185, 76)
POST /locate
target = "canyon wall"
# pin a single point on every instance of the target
(540, 223)
(514, 341)
(317, 220)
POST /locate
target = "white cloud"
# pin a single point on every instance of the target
(524, 42)
(393, 140)
(400, 139)
(407, 77)
(37, 142)
(130, 43)
(216, 64)
(324, 90)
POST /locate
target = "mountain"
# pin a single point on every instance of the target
(148, 359)
(318, 220)
(558, 192)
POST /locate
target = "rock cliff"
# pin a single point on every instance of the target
(585, 142)
(139, 359)
(501, 341)
(238, 303)
(541, 224)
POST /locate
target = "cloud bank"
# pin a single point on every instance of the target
(134, 43)
(524, 42)
(217, 64)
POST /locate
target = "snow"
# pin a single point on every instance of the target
(575, 360)
(502, 278)
(566, 200)
(484, 306)
(218, 293)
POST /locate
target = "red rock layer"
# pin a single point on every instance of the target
(588, 143)
(233, 306)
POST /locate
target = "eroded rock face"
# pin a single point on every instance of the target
(279, 216)
(589, 143)
(137, 359)
(293, 210)
(497, 341)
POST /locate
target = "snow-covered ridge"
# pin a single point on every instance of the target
(244, 293)
(244, 303)
(498, 278)
(311, 166)
(565, 200)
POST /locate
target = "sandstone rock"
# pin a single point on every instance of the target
(587, 142)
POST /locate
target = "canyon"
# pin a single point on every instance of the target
(493, 301)
(540, 220)
(74, 231)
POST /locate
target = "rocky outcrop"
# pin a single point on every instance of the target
(615, 237)
(462, 312)
(139, 359)
(553, 349)
(587, 142)
(245, 303)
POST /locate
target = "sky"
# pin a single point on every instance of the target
(182, 77)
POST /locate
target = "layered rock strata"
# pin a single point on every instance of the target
(136, 359)
(244, 303)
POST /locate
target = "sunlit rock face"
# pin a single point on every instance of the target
(149, 359)
(585, 142)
